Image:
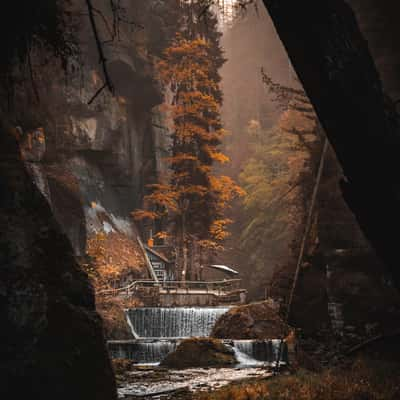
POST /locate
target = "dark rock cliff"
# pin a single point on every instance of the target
(94, 161)
(334, 63)
(51, 341)
(379, 23)
(83, 170)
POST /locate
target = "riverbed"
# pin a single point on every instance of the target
(154, 382)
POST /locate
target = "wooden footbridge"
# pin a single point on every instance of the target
(182, 293)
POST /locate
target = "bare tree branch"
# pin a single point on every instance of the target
(102, 59)
(97, 93)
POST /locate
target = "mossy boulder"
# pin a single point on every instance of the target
(251, 321)
(114, 319)
(200, 352)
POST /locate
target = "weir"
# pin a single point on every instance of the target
(262, 350)
(146, 351)
(142, 351)
(170, 322)
(159, 330)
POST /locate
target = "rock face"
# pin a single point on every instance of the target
(334, 63)
(114, 319)
(379, 23)
(252, 321)
(200, 352)
(93, 161)
(51, 340)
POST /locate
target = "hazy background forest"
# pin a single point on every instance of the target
(275, 148)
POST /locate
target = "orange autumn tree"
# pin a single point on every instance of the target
(100, 270)
(191, 200)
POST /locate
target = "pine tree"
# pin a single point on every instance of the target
(192, 199)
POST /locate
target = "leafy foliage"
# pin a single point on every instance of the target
(192, 199)
(271, 179)
(277, 179)
(111, 258)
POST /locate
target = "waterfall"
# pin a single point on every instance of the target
(158, 331)
(247, 352)
(178, 322)
(256, 351)
(128, 320)
(141, 351)
(244, 359)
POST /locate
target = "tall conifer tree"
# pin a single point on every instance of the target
(191, 201)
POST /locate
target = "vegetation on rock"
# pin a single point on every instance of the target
(200, 352)
(364, 379)
(252, 321)
(113, 315)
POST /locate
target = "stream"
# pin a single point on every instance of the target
(154, 382)
(158, 331)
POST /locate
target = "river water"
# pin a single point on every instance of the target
(158, 332)
(154, 382)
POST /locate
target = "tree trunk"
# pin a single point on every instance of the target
(182, 262)
(332, 59)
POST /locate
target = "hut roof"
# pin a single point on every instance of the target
(223, 268)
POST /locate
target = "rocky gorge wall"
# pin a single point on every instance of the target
(347, 65)
(343, 286)
(52, 343)
(68, 171)
(93, 161)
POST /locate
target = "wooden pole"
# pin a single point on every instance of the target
(307, 227)
(148, 262)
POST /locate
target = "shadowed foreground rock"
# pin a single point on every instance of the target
(51, 339)
(200, 352)
(252, 321)
(334, 63)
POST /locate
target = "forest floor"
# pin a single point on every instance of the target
(363, 379)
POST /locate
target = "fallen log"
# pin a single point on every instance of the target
(372, 340)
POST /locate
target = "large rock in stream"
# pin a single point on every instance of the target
(251, 321)
(200, 352)
(51, 338)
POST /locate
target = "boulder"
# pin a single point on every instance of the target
(114, 319)
(51, 341)
(251, 321)
(200, 352)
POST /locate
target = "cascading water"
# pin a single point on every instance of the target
(141, 351)
(181, 322)
(158, 331)
(253, 352)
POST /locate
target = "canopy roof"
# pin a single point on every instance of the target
(223, 268)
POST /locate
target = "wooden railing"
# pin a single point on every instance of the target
(219, 287)
(204, 286)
